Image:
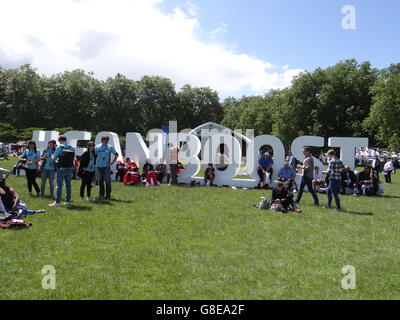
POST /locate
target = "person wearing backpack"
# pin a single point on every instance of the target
(64, 157)
(103, 164)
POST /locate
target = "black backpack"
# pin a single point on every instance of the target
(66, 158)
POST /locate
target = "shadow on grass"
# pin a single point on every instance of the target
(78, 208)
(358, 213)
(391, 197)
(120, 201)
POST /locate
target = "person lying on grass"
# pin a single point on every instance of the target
(282, 199)
(12, 201)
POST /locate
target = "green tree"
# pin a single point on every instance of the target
(384, 120)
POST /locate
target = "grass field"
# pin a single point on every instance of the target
(202, 243)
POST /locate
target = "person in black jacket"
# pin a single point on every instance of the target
(281, 197)
(86, 170)
(348, 180)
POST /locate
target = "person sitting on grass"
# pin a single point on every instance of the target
(161, 170)
(12, 201)
(120, 174)
(130, 163)
(282, 199)
(349, 179)
(147, 167)
(367, 184)
(209, 175)
(287, 175)
(318, 181)
(132, 177)
(151, 179)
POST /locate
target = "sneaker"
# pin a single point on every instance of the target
(327, 207)
(40, 211)
(339, 209)
(89, 199)
(295, 191)
(82, 199)
(54, 204)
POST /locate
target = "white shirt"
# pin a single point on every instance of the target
(388, 166)
(318, 176)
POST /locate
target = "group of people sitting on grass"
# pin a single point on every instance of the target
(128, 172)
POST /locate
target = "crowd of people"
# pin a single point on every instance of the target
(59, 164)
(339, 179)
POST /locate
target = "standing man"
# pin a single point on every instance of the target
(335, 173)
(376, 166)
(63, 157)
(308, 176)
(103, 164)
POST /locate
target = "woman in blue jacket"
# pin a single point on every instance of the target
(31, 156)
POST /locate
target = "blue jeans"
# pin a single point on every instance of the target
(64, 175)
(333, 188)
(47, 174)
(105, 176)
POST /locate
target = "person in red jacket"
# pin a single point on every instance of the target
(151, 179)
(132, 177)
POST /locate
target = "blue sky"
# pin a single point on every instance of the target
(305, 33)
(233, 46)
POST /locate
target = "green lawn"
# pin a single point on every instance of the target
(202, 243)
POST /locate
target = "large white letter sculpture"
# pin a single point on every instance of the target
(232, 148)
(348, 148)
(253, 155)
(74, 136)
(42, 138)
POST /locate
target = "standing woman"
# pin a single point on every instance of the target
(32, 156)
(48, 168)
(86, 170)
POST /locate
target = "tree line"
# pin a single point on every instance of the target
(348, 99)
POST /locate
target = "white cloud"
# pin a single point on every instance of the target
(132, 37)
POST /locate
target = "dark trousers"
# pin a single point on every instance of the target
(105, 176)
(87, 180)
(261, 174)
(174, 176)
(31, 180)
(388, 177)
(306, 181)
